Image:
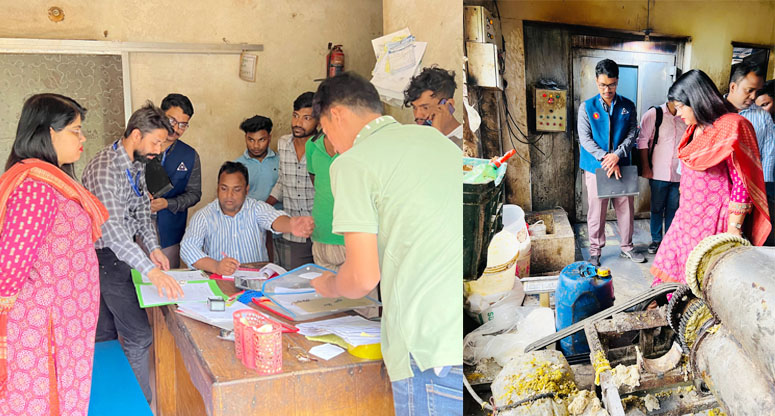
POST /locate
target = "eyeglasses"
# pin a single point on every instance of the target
(611, 86)
(181, 124)
(77, 132)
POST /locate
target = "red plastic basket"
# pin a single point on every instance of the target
(260, 351)
(268, 350)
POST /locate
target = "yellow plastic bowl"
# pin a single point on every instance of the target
(369, 352)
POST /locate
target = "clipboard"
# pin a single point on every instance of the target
(611, 187)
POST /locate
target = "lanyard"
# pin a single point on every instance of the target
(136, 182)
(164, 154)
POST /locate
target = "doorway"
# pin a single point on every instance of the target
(644, 78)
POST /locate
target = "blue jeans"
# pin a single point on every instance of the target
(428, 394)
(664, 204)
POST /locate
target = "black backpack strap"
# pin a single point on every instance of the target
(657, 123)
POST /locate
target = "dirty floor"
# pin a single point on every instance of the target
(630, 279)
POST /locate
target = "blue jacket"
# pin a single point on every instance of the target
(607, 137)
(179, 162)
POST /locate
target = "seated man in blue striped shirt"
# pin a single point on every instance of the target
(231, 229)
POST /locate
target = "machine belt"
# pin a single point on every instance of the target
(604, 314)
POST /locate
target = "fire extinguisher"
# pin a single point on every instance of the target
(334, 60)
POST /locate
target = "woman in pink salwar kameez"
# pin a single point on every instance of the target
(49, 286)
(722, 185)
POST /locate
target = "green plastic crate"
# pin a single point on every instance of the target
(482, 218)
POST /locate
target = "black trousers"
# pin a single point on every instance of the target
(120, 314)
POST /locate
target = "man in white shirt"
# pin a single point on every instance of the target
(231, 229)
(430, 95)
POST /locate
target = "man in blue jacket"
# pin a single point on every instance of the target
(182, 164)
(607, 127)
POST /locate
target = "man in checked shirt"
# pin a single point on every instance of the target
(294, 187)
(116, 176)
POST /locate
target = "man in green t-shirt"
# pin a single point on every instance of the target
(398, 203)
(327, 247)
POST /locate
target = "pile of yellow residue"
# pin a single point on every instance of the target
(538, 373)
(600, 364)
(695, 322)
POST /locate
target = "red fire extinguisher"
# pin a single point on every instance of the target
(334, 60)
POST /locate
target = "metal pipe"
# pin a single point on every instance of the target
(611, 399)
(735, 380)
(739, 287)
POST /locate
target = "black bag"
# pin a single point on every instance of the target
(156, 178)
(636, 158)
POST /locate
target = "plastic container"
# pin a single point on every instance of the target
(481, 220)
(514, 222)
(485, 309)
(268, 349)
(498, 277)
(258, 350)
(538, 228)
(582, 291)
(294, 287)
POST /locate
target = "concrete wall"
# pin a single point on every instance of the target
(295, 34)
(438, 22)
(712, 26)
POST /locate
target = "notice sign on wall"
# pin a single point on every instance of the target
(247, 67)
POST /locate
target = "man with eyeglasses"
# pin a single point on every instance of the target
(607, 128)
(430, 94)
(294, 187)
(181, 162)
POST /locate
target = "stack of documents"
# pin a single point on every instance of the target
(354, 330)
(182, 275)
(197, 287)
(201, 312)
(398, 59)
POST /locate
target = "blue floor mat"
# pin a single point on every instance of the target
(114, 388)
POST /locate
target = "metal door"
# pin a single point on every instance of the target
(644, 77)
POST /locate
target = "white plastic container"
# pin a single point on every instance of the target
(498, 277)
(514, 222)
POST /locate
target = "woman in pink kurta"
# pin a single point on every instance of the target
(722, 185)
(49, 281)
(702, 212)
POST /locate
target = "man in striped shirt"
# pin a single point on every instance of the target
(747, 78)
(231, 229)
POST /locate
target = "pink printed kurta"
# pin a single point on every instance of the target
(60, 296)
(703, 211)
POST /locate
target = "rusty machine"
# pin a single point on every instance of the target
(712, 345)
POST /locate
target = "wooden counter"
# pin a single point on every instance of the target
(198, 374)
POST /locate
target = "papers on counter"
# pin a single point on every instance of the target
(201, 312)
(182, 275)
(196, 286)
(354, 330)
(326, 351)
(148, 294)
(267, 272)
